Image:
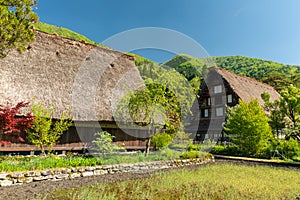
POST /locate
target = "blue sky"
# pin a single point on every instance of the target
(267, 29)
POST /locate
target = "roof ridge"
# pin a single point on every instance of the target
(244, 77)
(86, 43)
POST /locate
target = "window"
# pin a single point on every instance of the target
(218, 89)
(219, 112)
(208, 101)
(205, 112)
(229, 98)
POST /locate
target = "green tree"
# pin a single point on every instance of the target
(154, 107)
(277, 117)
(16, 29)
(104, 143)
(44, 132)
(248, 125)
(296, 80)
(290, 107)
(278, 80)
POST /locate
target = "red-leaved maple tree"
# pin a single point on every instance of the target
(13, 122)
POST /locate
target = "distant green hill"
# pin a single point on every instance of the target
(187, 65)
(273, 73)
(254, 67)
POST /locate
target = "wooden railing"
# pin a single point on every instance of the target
(28, 147)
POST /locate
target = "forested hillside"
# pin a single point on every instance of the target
(275, 74)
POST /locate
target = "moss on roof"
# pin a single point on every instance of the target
(64, 32)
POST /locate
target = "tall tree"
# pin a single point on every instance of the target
(290, 107)
(154, 107)
(277, 117)
(248, 125)
(16, 29)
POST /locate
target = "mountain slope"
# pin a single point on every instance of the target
(254, 67)
(276, 74)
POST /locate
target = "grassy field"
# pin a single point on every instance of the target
(217, 181)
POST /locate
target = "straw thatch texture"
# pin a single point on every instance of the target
(70, 75)
(247, 88)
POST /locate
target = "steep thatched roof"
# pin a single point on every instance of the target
(246, 88)
(69, 75)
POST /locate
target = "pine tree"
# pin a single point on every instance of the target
(16, 24)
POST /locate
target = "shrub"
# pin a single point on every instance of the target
(195, 154)
(289, 148)
(103, 143)
(190, 154)
(161, 140)
(283, 149)
(193, 147)
(232, 150)
(219, 149)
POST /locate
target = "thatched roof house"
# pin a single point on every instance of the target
(246, 88)
(223, 88)
(50, 71)
(69, 74)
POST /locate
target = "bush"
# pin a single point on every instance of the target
(161, 140)
(190, 154)
(193, 147)
(103, 143)
(195, 154)
(288, 148)
(283, 149)
(231, 150)
(219, 149)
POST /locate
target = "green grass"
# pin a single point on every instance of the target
(19, 163)
(218, 181)
(165, 154)
(64, 32)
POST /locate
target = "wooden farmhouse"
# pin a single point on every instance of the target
(76, 76)
(220, 89)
